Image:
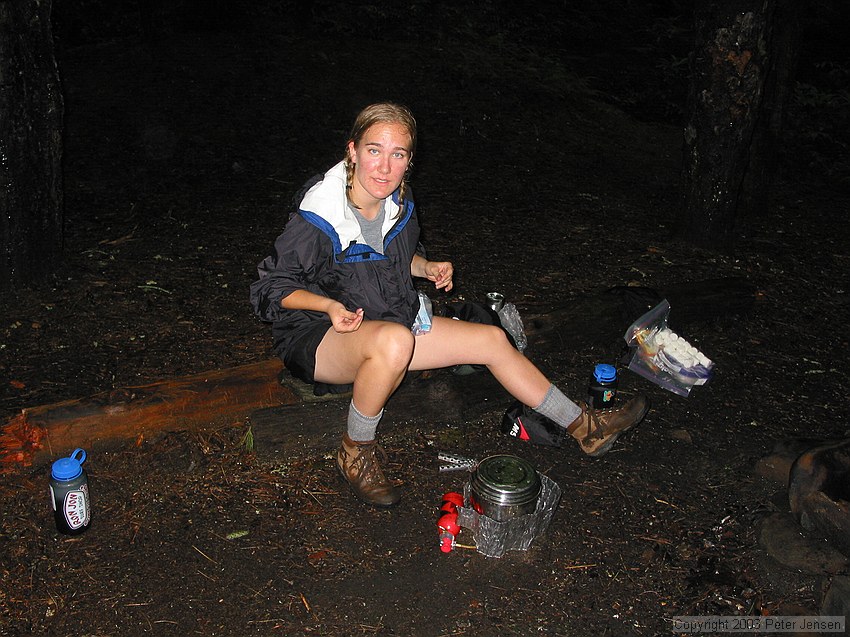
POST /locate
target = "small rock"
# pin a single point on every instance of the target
(836, 602)
(775, 467)
(784, 541)
(795, 610)
(682, 434)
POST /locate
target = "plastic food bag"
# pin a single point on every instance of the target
(495, 538)
(422, 323)
(664, 357)
(511, 321)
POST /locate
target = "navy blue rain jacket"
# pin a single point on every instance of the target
(322, 250)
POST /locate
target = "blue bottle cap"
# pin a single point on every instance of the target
(69, 468)
(605, 373)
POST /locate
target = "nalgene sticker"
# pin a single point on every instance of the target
(76, 508)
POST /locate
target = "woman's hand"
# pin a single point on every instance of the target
(440, 272)
(343, 320)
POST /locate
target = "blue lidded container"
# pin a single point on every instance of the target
(69, 494)
(603, 387)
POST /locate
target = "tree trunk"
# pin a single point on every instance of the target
(31, 112)
(725, 143)
(786, 21)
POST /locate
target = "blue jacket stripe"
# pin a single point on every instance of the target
(362, 252)
(392, 234)
(324, 226)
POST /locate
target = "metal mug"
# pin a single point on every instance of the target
(503, 487)
(495, 301)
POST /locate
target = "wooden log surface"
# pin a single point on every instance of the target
(202, 400)
(283, 411)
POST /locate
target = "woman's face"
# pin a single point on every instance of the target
(380, 161)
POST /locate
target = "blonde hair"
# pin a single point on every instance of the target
(381, 113)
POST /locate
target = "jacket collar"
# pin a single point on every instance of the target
(326, 206)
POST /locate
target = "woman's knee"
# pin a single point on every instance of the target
(495, 337)
(393, 344)
(495, 343)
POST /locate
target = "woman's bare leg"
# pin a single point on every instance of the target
(452, 342)
(375, 358)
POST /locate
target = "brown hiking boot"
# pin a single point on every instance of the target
(597, 429)
(358, 463)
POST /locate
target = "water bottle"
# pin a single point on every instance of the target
(603, 387)
(69, 494)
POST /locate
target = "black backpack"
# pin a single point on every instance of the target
(474, 313)
(523, 423)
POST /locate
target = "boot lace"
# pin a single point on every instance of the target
(367, 463)
(595, 425)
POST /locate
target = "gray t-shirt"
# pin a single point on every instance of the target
(371, 229)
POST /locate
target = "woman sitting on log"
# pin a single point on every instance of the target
(338, 289)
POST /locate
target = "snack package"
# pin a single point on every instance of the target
(664, 357)
(422, 323)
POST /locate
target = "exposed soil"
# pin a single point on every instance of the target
(182, 156)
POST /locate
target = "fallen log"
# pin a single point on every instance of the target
(202, 400)
(230, 396)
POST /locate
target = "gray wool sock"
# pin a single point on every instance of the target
(558, 407)
(362, 428)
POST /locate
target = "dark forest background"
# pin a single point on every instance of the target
(640, 67)
(553, 128)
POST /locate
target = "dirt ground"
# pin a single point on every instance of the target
(181, 158)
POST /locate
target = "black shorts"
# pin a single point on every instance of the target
(300, 357)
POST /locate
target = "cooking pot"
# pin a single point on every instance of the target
(504, 487)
